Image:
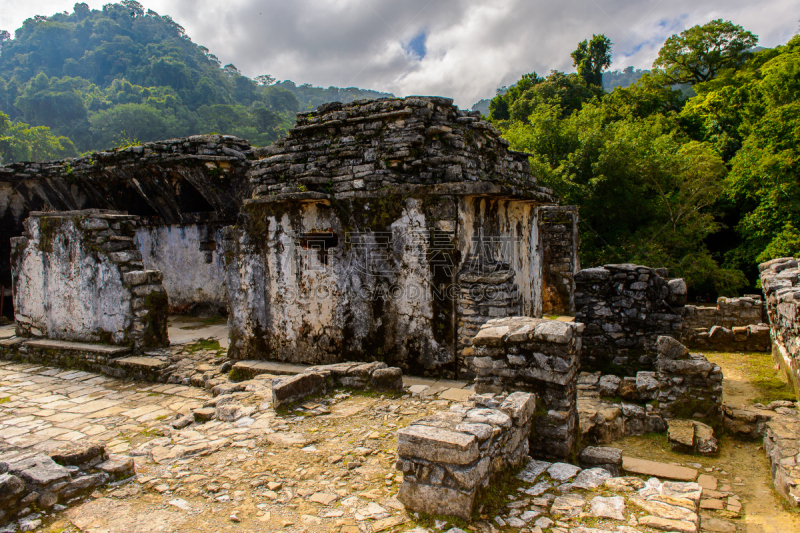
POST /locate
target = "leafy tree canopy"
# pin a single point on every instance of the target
(700, 53)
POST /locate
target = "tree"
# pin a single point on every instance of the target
(21, 142)
(700, 53)
(591, 58)
(128, 122)
(264, 79)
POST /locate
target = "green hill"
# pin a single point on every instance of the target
(106, 77)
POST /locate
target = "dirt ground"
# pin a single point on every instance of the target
(748, 377)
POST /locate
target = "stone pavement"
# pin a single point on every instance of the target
(43, 407)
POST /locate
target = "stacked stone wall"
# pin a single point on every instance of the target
(447, 457)
(735, 324)
(560, 243)
(79, 277)
(364, 146)
(539, 356)
(625, 308)
(780, 280)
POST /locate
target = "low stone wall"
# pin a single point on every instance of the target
(735, 324)
(445, 458)
(625, 309)
(780, 279)
(779, 424)
(682, 386)
(29, 479)
(320, 379)
(540, 356)
(560, 241)
(77, 276)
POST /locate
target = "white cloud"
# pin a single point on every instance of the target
(472, 46)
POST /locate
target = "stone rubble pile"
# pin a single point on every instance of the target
(202, 146)
(735, 324)
(562, 494)
(625, 308)
(33, 484)
(780, 280)
(446, 457)
(691, 436)
(539, 356)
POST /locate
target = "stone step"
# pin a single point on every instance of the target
(659, 470)
(13, 341)
(142, 363)
(104, 349)
(269, 367)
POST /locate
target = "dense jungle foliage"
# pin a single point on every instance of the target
(94, 79)
(693, 167)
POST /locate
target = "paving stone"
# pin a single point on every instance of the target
(562, 471)
(613, 507)
(659, 470)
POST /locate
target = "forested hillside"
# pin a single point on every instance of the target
(100, 78)
(707, 185)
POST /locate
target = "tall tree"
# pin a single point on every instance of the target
(700, 53)
(591, 58)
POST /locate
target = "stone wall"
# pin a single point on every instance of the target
(194, 180)
(447, 457)
(780, 279)
(560, 242)
(735, 324)
(625, 309)
(539, 356)
(190, 256)
(364, 146)
(389, 230)
(683, 385)
(78, 277)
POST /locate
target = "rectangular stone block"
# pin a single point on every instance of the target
(437, 445)
(438, 500)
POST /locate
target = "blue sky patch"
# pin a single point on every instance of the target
(416, 46)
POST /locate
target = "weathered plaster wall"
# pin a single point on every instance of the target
(190, 257)
(78, 277)
(368, 297)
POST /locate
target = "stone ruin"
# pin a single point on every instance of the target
(391, 232)
(734, 324)
(79, 277)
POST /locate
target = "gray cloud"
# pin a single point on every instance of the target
(472, 46)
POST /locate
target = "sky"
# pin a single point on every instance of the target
(463, 49)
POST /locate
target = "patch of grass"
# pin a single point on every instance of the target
(428, 521)
(204, 344)
(492, 500)
(759, 369)
(5, 400)
(162, 417)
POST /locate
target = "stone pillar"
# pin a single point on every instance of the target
(540, 356)
(560, 243)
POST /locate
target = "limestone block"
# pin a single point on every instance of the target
(293, 388)
(77, 452)
(519, 406)
(437, 445)
(436, 500)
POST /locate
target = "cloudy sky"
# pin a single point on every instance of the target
(464, 49)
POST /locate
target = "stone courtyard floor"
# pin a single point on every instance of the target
(329, 465)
